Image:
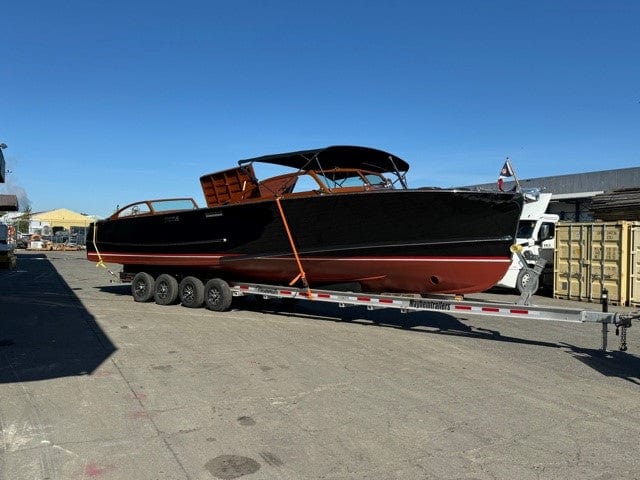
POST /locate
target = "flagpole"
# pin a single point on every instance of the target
(515, 178)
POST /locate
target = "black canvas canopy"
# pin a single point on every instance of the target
(336, 157)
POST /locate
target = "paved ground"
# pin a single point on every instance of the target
(93, 385)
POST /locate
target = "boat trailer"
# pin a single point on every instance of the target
(217, 295)
(454, 305)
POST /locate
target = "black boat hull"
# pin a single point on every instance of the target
(417, 241)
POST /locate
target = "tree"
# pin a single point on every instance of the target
(25, 220)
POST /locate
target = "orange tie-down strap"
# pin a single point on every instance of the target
(100, 261)
(301, 276)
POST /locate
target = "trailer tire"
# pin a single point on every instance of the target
(527, 281)
(165, 290)
(217, 295)
(191, 292)
(142, 287)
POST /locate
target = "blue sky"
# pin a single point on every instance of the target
(105, 103)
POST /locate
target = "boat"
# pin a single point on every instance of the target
(339, 215)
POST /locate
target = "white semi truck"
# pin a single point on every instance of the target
(536, 235)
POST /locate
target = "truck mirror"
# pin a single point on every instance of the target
(546, 231)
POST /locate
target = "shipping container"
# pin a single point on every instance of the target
(634, 265)
(591, 257)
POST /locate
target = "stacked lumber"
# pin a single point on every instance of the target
(620, 204)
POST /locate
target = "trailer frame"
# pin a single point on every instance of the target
(450, 304)
(218, 293)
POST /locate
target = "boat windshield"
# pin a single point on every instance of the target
(156, 206)
(173, 204)
(354, 178)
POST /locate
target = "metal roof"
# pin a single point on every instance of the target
(575, 184)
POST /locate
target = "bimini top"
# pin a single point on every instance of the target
(336, 157)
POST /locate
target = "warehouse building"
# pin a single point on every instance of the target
(573, 193)
(61, 221)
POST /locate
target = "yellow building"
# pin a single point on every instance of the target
(61, 218)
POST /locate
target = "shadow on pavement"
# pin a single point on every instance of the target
(615, 364)
(423, 322)
(116, 289)
(610, 364)
(45, 331)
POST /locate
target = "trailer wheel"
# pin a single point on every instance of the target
(527, 281)
(142, 287)
(165, 290)
(217, 295)
(191, 292)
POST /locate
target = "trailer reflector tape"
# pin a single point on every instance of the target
(323, 295)
(470, 308)
(385, 300)
(286, 292)
(363, 299)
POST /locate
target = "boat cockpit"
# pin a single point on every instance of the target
(240, 185)
(324, 171)
(319, 172)
(152, 207)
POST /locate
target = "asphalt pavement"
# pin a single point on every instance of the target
(96, 386)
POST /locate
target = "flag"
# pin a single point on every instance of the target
(506, 172)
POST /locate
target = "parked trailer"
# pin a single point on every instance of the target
(217, 295)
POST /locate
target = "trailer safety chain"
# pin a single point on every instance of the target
(621, 330)
(100, 261)
(623, 338)
(301, 276)
(622, 323)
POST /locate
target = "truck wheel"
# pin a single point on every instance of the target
(527, 282)
(217, 295)
(165, 290)
(191, 292)
(142, 287)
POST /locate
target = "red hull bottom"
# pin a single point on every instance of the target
(402, 275)
(374, 274)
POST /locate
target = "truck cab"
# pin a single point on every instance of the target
(536, 235)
